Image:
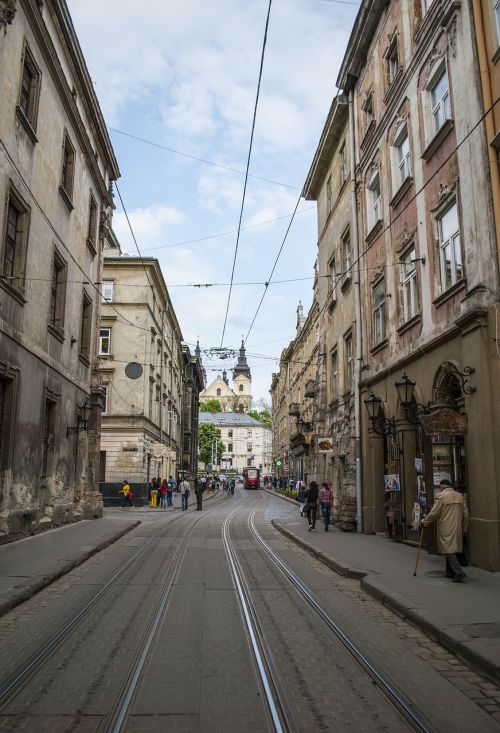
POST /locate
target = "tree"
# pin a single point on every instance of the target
(207, 435)
(264, 416)
(211, 405)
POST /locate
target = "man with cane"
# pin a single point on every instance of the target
(450, 513)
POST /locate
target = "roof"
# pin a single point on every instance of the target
(231, 420)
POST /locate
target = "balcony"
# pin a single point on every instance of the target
(298, 445)
(310, 390)
(294, 409)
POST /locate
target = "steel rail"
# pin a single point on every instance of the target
(387, 687)
(17, 679)
(279, 710)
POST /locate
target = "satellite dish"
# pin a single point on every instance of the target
(157, 450)
(133, 370)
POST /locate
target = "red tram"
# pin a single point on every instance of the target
(251, 478)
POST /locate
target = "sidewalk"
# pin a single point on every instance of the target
(463, 617)
(30, 564)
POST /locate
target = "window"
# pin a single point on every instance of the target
(449, 248)
(105, 399)
(348, 360)
(368, 111)
(85, 328)
(329, 195)
(334, 378)
(107, 290)
(48, 434)
(241, 388)
(409, 286)
(440, 100)
(379, 315)
(104, 342)
(403, 151)
(343, 164)
(92, 227)
(150, 396)
(497, 16)
(374, 201)
(249, 447)
(16, 242)
(332, 279)
(346, 253)
(218, 392)
(30, 89)
(249, 433)
(230, 447)
(392, 60)
(58, 292)
(249, 461)
(230, 433)
(68, 168)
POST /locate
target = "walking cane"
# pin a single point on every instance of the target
(419, 546)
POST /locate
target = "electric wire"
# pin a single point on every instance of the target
(202, 160)
(247, 167)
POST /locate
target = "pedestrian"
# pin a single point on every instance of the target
(450, 513)
(127, 494)
(312, 505)
(326, 502)
(231, 486)
(170, 491)
(301, 497)
(185, 491)
(199, 488)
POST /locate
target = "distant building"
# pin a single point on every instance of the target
(239, 397)
(56, 165)
(248, 442)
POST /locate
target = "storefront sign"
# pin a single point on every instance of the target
(325, 445)
(444, 421)
(129, 450)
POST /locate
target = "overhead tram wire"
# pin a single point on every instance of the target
(247, 169)
(201, 160)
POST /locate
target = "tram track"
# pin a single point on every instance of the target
(270, 675)
(16, 681)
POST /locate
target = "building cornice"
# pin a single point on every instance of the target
(330, 137)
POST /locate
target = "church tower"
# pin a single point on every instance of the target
(242, 382)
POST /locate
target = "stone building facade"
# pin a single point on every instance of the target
(248, 442)
(148, 376)
(56, 165)
(293, 391)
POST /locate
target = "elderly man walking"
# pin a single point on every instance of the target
(450, 513)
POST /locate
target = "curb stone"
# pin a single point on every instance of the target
(35, 585)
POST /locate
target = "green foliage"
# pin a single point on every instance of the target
(264, 416)
(291, 493)
(211, 405)
(207, 435)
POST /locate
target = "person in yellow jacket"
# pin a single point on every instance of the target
(127, 494)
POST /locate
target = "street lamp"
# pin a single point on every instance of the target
(82, 418)
(413, 410)
(380, 424)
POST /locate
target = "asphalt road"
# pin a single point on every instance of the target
(150, 635)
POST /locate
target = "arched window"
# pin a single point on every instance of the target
(218, 392)
(241, 388)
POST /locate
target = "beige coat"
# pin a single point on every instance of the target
(450, 512)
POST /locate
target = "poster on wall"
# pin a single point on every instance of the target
(391, 482)
(419, 465)
(421, 496)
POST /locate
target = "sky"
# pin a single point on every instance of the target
(182, 75)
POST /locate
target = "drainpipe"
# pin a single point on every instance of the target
(490, 120)
(357, 316)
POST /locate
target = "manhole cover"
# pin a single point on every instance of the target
(435, 574)
(483, 631)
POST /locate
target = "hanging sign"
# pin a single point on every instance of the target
(325, 445)
(444, 421)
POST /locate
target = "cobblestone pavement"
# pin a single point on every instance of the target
(200, 675)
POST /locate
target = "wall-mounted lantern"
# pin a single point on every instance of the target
(82, 418)
(381, 425)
